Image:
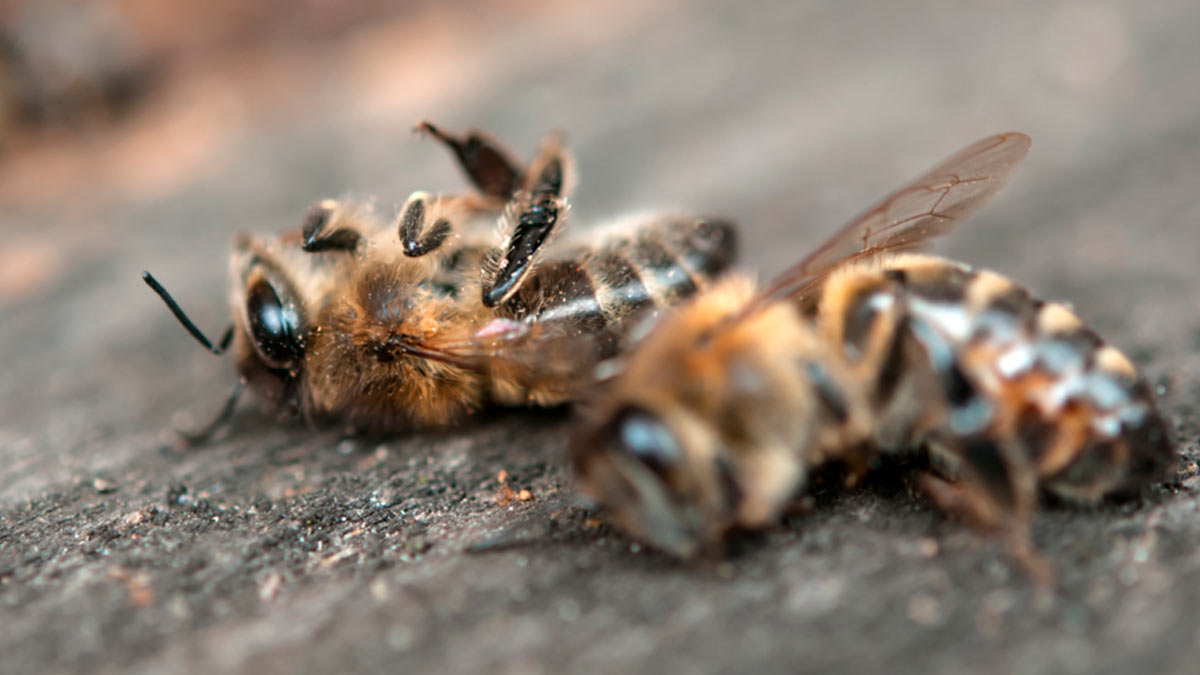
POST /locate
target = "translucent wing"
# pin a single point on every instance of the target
(927, 207)
(530, 354)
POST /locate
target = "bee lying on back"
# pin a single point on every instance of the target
(421, 321)
(717, 417)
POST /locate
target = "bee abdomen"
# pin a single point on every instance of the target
(561, 297)
(1032, 370)
(675, 258)
(1092, 426)
(1006, 365)
(603, 291)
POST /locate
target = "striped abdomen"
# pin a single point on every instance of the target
(604, 290)
(1022, 384)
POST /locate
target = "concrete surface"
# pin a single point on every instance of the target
(279, 549)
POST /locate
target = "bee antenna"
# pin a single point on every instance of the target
(203, 435)
(183, 318)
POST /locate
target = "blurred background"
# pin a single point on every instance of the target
(137, 134)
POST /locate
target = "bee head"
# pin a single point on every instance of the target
(700, 430)
(270, 322)
(662, 477)
(268, 333)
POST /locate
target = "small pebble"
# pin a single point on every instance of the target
(929, 547)
(270, 587)
(924, 610)
(379, 589)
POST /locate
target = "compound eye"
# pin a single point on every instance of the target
(275, 327)
(644, 435)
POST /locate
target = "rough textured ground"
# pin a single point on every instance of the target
(280, 549)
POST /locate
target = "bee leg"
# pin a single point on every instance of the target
(857, 463)
(996, 498)
(487, 166)
(416, 237)
(325, 230)
(203, 435)
(531, 218)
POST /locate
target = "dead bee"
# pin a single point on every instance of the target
(421, 321)
(715, 419)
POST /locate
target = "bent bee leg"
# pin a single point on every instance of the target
(193, 438)
(426, 222)
(331, 225)
(994, 492)
(535, 208)
(535, 214)
(488, 166)
(995, 488)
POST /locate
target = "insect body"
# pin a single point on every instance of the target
(717, 417)
(420, 321)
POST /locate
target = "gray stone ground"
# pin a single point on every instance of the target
(281, 549)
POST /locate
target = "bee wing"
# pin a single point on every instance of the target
(530, 354)
(927, 207)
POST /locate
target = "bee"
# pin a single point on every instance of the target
(420, 321)
(716, 419)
